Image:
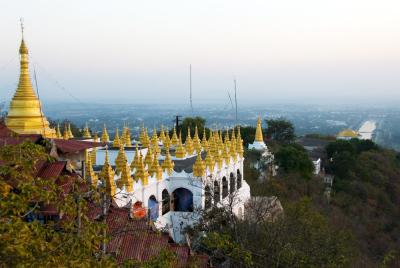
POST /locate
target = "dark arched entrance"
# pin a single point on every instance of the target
(165, 201)
(183, 200)
(232, 183)
(153, 207)
(224, 187)
(239, 179)
(208, 200)
(217, 194)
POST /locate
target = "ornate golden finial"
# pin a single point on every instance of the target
(259, 135)
(135, 161)
(116, 142)
(65, 134)
(239, 143)
(86, 132)
(154, 141)
(141, 173)
(167, 140)
(95, 137)
(168, 165)
(210, 162)
(126, 178)
(219, 160)
(189, 143)
(128, 141)
(148, 160)
(107, 173)
(93, 155)
(199, 168)
(155, 169)
(70, 135)
(90, 174)
(162, 134)
(204, 142)
(180, 151)
(226, 156)
(58, 132)
(104, 136)
(174, 139)
(121, 159)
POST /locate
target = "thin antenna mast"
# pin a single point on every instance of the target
(190, 86)
(230, 99)
(234, 81)
(21, 20)
(40, 104)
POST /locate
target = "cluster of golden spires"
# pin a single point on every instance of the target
(219, 150)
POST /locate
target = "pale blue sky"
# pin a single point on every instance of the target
(141, 50)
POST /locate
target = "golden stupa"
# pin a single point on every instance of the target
(25, 114)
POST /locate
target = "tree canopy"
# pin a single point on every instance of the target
(280, 130)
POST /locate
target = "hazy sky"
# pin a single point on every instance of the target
(141, 50)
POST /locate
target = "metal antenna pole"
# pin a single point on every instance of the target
(234, 81)
(190, 86)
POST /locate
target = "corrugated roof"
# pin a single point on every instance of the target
(51, 170)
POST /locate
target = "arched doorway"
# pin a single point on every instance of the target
(208, 200)
(224, 187)
(183, 200)
(232, 183)
(217, 194)
(239, 179)
(153, 207)
(165, 201)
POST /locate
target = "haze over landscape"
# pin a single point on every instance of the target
(279, 51)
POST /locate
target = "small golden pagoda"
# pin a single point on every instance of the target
(107, 174)
(86, 132)
(174, 139)
(116, 141)
(25, 114)
(168, 165)
(104, 136)
(58, 132)
(259, 135)
(199, 167)
(180, 151)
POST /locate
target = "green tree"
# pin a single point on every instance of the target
(280, 130)
(294, 158)
(248, 135)
(26, 239)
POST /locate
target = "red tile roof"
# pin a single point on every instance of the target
(134, 239)
(9, 137)
(51, 170)
(73, 146)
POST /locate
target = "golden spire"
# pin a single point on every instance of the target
(86, 132)
(154, 142)
(128, 142)
(180, 151)
(107, 173)
(196, 141)
(93, 155)
(204, 142)
(123, 135)
(218, 159)
(210, 162)
(226, 156)
(135, 161)
(70, 135)
(141, 172)
(174, 139)
(144, 138)
(167, 164)
(162, 134)
(199, 168)
(95, 137)
(58, 132)
(155, 168)
(259, 135)
(116, 141)
(25, 114)
(65, 134)
(167, 140)
(89, 169)
(189, 143)
(120, 160)
(126, 178)
(104, 136)
(148, 160)
(239, 143)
